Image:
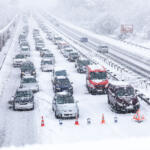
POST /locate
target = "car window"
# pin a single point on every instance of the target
(64, 99)
(29, 80)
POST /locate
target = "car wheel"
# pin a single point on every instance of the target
(14, 107)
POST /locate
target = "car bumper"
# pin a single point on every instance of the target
(67, 115)
(27, 106)
(130, 108)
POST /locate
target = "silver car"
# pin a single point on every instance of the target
(18, 60)
(29, 82)
(25, 50)
(47, 65)
(64, 106)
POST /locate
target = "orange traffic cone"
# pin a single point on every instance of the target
(76, 121)
(42, 122)
(103, 120)
(137, 117)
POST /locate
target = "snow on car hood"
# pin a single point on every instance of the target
(66, 107)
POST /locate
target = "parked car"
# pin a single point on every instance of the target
(122, 97)
(73, 56)
(81, 64)
(29, 82)
(47, 65)
(62, 83)
(18, 60)
(64, 106)
(83, 39)
(23, 99)
(28, 68)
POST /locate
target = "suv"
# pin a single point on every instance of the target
(64, 106)
(73, 56)
(66, 52)
(122, 97)
(62, 83)
(18, 60)
(28, 68)
(23, 99)
(46, 65)
(29, 82)
(49, 55)
(81, 64)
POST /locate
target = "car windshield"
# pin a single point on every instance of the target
(98, 75)
(125, 91)
(23, 93)
(27, 67)
(64, 99)
(47, 62)
(61, 73)
(62, 81)
(58, 38)
(29, 80)
(48, 55)
(25, 48)
(74, 54)
(19, 56)
(84, 62)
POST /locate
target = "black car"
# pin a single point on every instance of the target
(81, 64)
(27, 68)
(122, 97)
(23, 99)
(62, 83)
(73, 56)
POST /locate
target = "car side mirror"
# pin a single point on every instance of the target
(77, 101)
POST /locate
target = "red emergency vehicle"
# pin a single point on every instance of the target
(96, 79)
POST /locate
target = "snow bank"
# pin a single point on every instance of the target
(128, 144)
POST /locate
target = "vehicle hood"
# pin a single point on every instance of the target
(67, 107)
(99, 82)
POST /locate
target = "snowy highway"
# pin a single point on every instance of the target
(19, 128)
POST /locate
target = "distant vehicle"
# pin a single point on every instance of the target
(43, 50)
(102, 49)
(73, 56)
(61, 84)
(81, 64)
(28, 68)
(64, 106)
(122, 97)
(23, 99)
(49, 55)
(47, 65)
(57, 39)
(83, 39)
(39, 44)
(25, 50)
(18, 60)
(62, 45)
(29, 82)
(66, 51)
(96, 79)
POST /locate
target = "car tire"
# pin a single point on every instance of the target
(14, 107)
(56, 116)
(108, 100)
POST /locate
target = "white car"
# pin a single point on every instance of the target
(29, 82)
(18, 60)
(64, 106)
(25, 50)
(47, 65)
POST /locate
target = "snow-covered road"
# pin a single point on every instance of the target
(20, 128)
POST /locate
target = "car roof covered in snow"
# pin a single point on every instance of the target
(119, 83)
(27, 76)
(24, 89)
(96, 68)
(61, 77)
(64, 93)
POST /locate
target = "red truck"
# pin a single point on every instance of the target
(96, 79)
